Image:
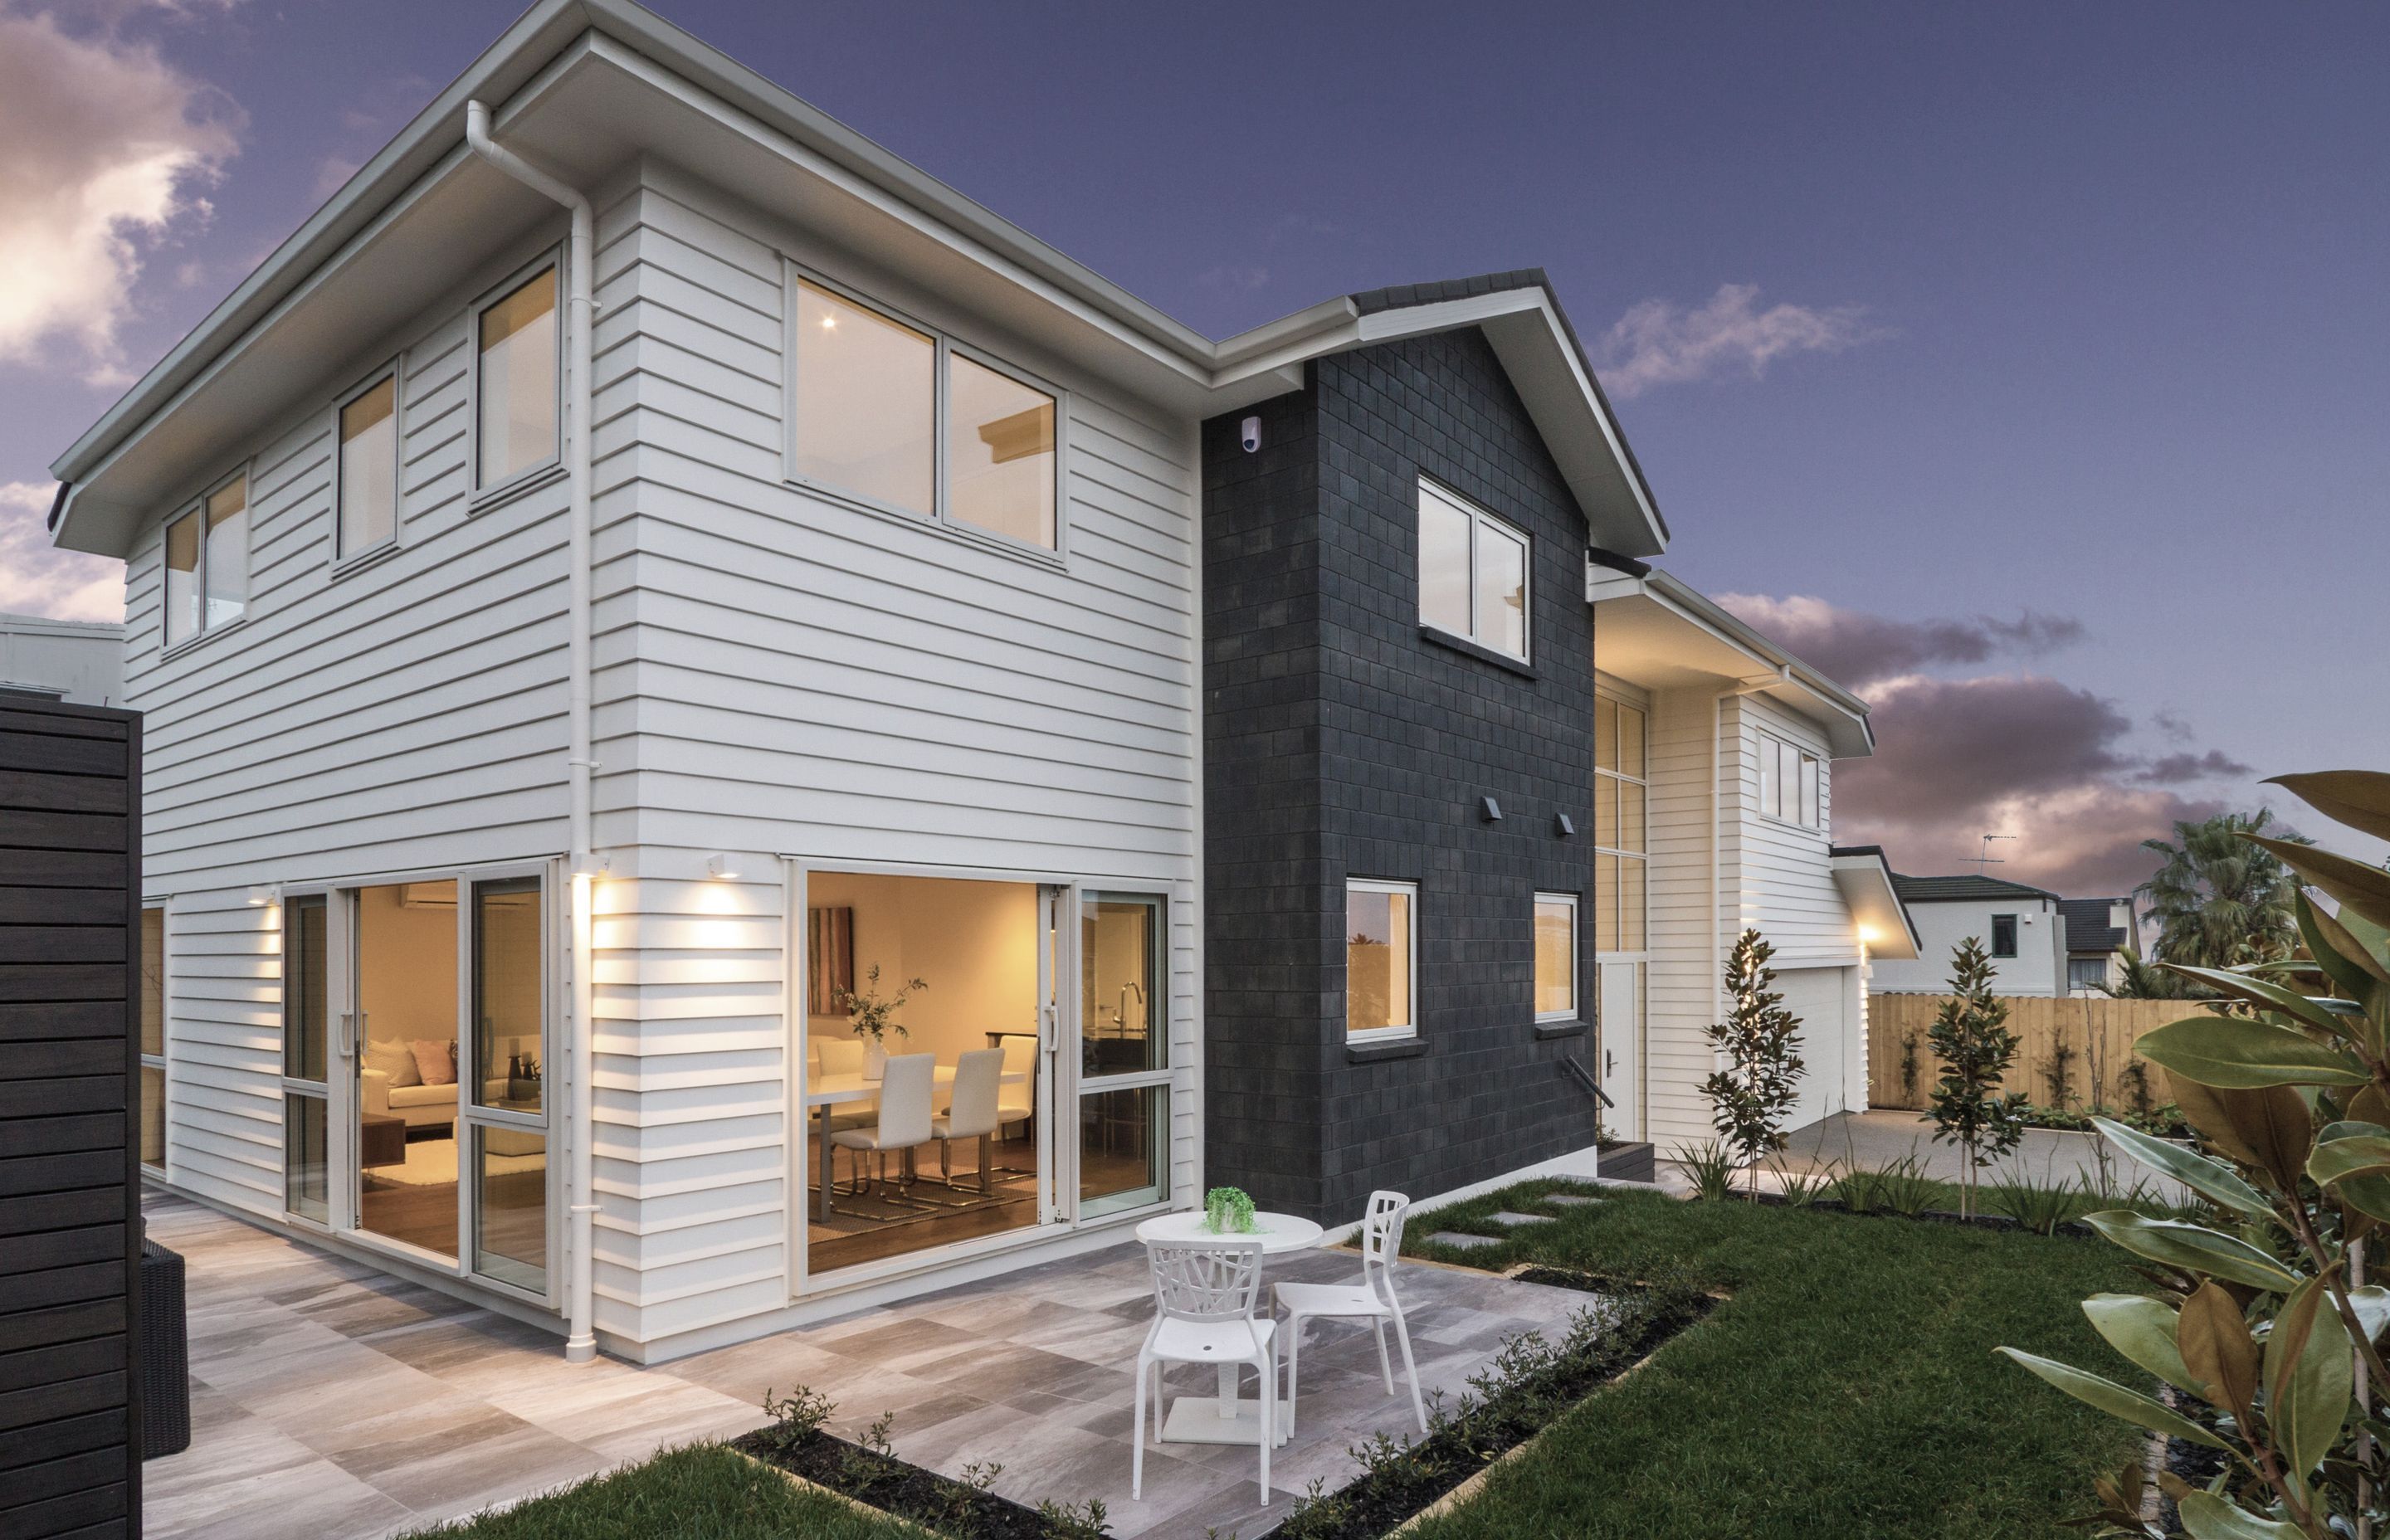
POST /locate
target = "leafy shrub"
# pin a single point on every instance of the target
(1710, 1165)
(795, 1419)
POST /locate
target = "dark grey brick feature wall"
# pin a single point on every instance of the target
(1340, 741)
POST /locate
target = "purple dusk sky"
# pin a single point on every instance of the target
(2027, 366)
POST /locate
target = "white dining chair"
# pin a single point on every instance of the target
(840, 1056)
(1205, 1293)
(904, 1121)
(972, 1113)
(1018, 1103)
(1372, 1300)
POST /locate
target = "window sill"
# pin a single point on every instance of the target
(968, 534)
(1478, 650)
(192, 644)
(1373, 1053)
(1547, 1032)
(349, 566)
(521, 486)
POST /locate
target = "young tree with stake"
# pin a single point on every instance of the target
(1751, 1095)
(1972, 1038)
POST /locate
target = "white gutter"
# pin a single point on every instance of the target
(581, 1342)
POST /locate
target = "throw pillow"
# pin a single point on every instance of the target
(436, 1060)
(393, 1061)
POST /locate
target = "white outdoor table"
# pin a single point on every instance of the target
(1228, 1418)
(837, 1090)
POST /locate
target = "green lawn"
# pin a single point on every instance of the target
(1846, 1390)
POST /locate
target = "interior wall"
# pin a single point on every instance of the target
(406, 967)
(974, 944)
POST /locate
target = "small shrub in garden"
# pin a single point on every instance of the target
(1709, 1165)
(795, 1419)
(1750, 1097)
(1972, 1038)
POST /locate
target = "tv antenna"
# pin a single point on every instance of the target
(1986, 858)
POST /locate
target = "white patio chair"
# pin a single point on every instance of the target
(904, 1121)
(973, 1112)
(1204, 1292)
(1372, 1300)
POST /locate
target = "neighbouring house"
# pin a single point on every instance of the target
(81, 662)
(2100, 934)
(1715, 754)
(2021, 927)
(643, 574)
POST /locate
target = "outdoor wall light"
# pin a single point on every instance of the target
(265, 895)
(1493, 809)
(722, 866)
(1563, 825)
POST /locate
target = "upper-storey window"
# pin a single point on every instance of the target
(2004, 935)
(1788, 783)
(868, 393)
(516, 380)
(206, 562)
(1621, 858)
(368, 478)
(1472, 573)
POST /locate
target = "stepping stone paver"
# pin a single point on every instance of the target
(1512, 1217)
(1464, 1242)
(1570, 1199)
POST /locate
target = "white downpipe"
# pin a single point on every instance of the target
(581, 1343)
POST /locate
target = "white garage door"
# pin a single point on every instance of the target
(1818, 996)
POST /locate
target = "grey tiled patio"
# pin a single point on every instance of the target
(329, 1400)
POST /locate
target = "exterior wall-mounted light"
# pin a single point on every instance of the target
(722, 866)
(1563, 825)
(1493, 810)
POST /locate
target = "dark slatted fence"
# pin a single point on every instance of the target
(70, 1179)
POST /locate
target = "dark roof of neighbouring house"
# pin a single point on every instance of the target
(1948, 889)
(2087, 925)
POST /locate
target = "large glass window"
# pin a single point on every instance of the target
(517, 387)
(1555, 956)
(369, 467)
(306, 1010)
(1472, 573)
(1122, 1020)
(865, 418)
(1621, 838)
(866, 393)
(507, 994)
(1380, 959)
(207, 563)
(153, 1037)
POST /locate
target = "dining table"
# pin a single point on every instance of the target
(840, 1090)
(1228, 1418)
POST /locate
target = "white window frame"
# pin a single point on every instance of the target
(161, 1060)
(1576, 959)
(946, 349)
(1618, 850)
(196, 507)
(394, 372)
(1770, 767)
(1398, 1032)
(487, 493)
(1479, 516)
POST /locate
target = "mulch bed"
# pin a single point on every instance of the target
(907, 1491)
(1401, 1480)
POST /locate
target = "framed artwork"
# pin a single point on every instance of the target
(829, 959)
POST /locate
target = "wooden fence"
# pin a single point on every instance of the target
(2078, 1039)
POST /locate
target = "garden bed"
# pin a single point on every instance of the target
(1527, 1389)
(868, 1473)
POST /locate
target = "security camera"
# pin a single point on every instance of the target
(1249, 433)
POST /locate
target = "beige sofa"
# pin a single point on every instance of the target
(422, 1105)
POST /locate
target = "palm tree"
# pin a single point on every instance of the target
(2147, 981)
(2219, 900)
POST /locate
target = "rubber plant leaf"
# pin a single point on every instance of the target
(2358, 798)
(2143, 1331)
(2194, 1248)
(2345, 959)
(2371, 1304)
(2233, 1054)
(2337, 1160)
(2348, 882)
(2208, 1517)
(2211, 1179)
(2131, 1407)
(2309, 1378)
(2218, 1350)
(2327, 1014)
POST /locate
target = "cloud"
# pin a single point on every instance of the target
(104, 150)
(2024, 756)
(1659, 342)
(2214, 765)
(36, 579)
(1857, 649)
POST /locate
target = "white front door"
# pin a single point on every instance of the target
(1620, 1044)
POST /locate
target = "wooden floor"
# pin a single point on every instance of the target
(865, 1229)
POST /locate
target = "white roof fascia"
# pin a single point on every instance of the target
(1698, 609)
(1864, 879)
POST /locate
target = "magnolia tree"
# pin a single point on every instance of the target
(1750, 1095)
(1970, 1036)
(2261, 1321)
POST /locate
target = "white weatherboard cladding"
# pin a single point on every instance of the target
(809, 678)
(1678, 987)
(404, 713)
(1786, 885)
